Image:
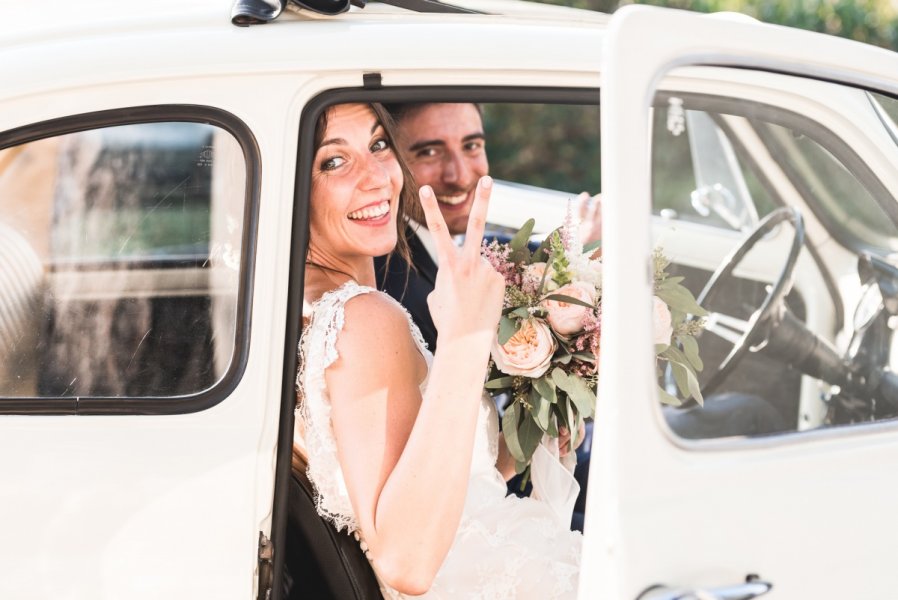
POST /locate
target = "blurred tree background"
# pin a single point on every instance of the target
(558, 146)
(871, 21)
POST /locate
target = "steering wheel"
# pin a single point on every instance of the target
(745, 335)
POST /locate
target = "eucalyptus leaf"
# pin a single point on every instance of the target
(552, 429)
(680, 374)
(585, 357)
(670, 282)
(577, 390)
(690, 349)
(541, 413)
(674, 354)
(545, 387)
(529, 435)
(541, 254)
(522, 311)
(694, 387)
(571, 416)
(507, 328)
(499, 383)
(679, 298)
(575, 430)
(520, 255)
(666, 398)
(510, 432)
(521, 238)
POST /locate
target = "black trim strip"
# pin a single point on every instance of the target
(300, 241)
(221, 390)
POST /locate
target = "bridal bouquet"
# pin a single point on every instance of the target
(545, 354)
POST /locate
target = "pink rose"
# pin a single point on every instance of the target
(567, 318)
(528, 352)
(661, 322)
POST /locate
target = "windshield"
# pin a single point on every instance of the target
(826, 171)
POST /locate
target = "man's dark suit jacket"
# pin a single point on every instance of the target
(411, 286)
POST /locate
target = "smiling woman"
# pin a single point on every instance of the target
(402, 447)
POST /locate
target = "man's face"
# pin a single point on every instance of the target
(445, 149)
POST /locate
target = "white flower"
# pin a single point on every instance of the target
(587, 269)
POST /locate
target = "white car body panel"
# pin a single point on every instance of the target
(172, 506)
(691, 515)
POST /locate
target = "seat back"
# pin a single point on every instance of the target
(320, 562)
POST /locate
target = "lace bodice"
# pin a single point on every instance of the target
(503, 545)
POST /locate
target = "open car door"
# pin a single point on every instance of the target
(806, 511)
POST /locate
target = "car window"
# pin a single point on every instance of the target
(121, 250)
(545, 145)
(790, 364)
(544, 156)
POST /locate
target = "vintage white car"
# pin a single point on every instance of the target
(154, 179)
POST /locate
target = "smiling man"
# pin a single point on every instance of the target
(446, 149)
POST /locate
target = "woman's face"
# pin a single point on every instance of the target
(356, 181)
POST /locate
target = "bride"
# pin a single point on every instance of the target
(403, 447)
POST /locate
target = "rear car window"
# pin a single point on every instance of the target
(120, 259)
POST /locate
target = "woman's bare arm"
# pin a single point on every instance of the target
(406, 458)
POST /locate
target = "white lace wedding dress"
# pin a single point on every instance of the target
(506, 547)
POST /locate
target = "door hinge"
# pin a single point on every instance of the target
(266, 566)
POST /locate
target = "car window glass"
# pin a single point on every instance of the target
(727, 193)
(544, 156)
(789, 357)
(120, 250)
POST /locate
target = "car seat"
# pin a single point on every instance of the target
(320, 562)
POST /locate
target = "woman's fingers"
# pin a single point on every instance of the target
(437, 225)
(477, 217)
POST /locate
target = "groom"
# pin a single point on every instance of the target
(445, 148)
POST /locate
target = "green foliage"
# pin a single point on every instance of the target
(552, 146)
(870, 21)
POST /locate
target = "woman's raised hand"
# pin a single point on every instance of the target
(467, 296)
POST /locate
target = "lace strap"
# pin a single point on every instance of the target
(317, 351)
(328, 311)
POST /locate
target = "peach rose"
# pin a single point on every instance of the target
(661, 322)
(567, 318)
(528, 352)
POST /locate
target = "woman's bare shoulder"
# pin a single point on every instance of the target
(375, 317)
(376, 342)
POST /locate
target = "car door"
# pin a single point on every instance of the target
(808, 512)
(140, 356)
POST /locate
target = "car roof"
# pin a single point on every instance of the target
(105, 16)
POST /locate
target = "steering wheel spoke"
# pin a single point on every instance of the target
(738, 332)
(727, 327)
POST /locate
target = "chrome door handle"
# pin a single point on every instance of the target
(752, 588)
